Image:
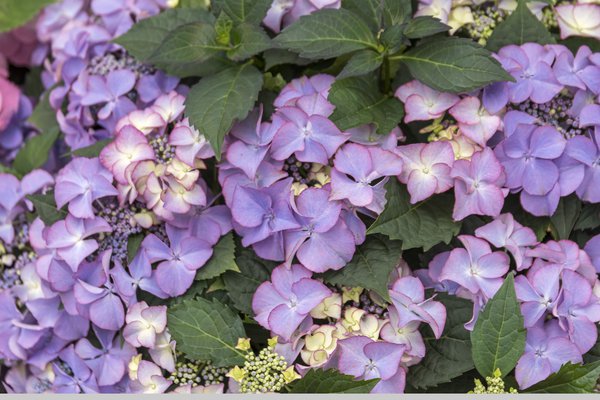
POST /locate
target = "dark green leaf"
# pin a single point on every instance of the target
(91, 151)
(223, 27)
(133, 245)
(520, 27)
(45, 208)
(14, 13)
(424, 224)
(216, 102)
(240, 11)
(242, 285)
(34, 153)
(361, 63)
(565, 216)
(145, 37)
(191, 43)
(539, 225)
(358, 101)
(589, 218)
(248, 40)
(370, 267)
(331, 381)
(594, 353)
(222, 260)
(498, 339)
(203, 4)
(396, 12)
(575, 42)
(449, 356)
(424, 26)
(207, 330)
(275, 57)
(327, 34)
(571, 378)
(370, 11)
(453, 64)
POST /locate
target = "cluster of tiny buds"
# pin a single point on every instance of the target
(41, 385)
(485, 19)
(103, 64)
(367, 304)
(197, 373)
(495, 385)
(123, 224)
(297, 169)
(163, 151)
(555, 113)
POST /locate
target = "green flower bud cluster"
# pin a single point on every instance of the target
(495, 385)
(486, 19)
(267, 372)
(198, 373)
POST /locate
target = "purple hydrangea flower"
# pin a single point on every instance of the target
(282, 304)
(423, 103)
(538, 292)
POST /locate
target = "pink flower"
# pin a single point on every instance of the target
(423, 103)
(474, 121)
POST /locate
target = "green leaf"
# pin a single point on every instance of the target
(424, 224)
(589, 218)
(424, 26)
(133, 245)
(594, 353)
(362, 62)
(222, 260)
(217, 101)
(223, 27)
(520, 27)
(204, 4)
(449, 356)
(396, 12)
(327, 34)
(453, 64)
(242, 285)
(275, 57)
(571, 378)
(146, 36)
(369, 10)
(14, 13)
(240, 11)
(248, 40)
(34, 153)
(318, 380)
(565, 217)
(189, 43)
(45, 208)
(358, 101)
(207, 330)
(575, 42)
(498, 338)
(91, 151)
(370, 267)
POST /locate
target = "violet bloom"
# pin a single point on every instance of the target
(322, 241)
(592, 248)
(408, 296)
(578, 20)
(426, 168)
(138, 275)
(97, 297)
(505, 232)
(282, 304)
(72, 375)
(353, 180)
(189, 143)
(144, 323)
(544, 354)
(577, 71)
(578, 310)
(110, 91)
(366, 359)
(13, 196)
(587, 152)
(130, 145)
(530, 65)
(478, 185)
(423, 103)
(409, 335)
(311, 138)
(284, 12)
(476, 267)
(261, 213)
(474, 121)
(149, 379)
(538, 293)
(304, 87)
(179, 260)
(69, 237)
(564, 254)
(81, 182)
(109, 362)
